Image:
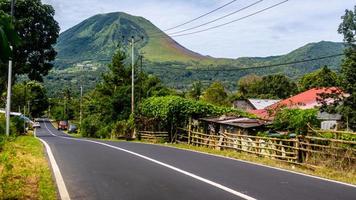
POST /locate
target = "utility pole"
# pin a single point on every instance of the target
(49, 111)
(28, 109)
(81, 107)
(140, 93)
(9, 82)
(133, 75)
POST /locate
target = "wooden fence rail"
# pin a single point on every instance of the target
(154, 137)
(294, 150)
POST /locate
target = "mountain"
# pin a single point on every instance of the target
(89, 46)
(97, 38)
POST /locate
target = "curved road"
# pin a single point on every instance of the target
(94, 169)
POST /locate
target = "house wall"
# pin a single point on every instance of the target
(243, 105)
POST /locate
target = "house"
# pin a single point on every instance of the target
(305, 100)
(253, 104)
(233, 125)
(329, 121)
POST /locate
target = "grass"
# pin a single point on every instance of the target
(24, 170)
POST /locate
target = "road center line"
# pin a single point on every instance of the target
(217, 185)
(62, 189)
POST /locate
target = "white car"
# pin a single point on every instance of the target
(36, 125)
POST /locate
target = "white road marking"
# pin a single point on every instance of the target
(217, 185)
(62, 189)
(262, 165)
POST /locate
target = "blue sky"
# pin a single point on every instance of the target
(274, 32)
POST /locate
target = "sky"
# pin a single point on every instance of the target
(274, 32)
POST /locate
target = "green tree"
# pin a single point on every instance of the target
(323, 77)
(276, 86)
(196, 90)
(295, 120)
(110, 101)
(38, 32)
(348, 67)
(31, 93)
(8, 36)
(216, 94)
(247, 85)
(271, 86)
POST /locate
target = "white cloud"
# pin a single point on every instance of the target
(273, 32)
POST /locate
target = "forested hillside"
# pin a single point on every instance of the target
(88, 47)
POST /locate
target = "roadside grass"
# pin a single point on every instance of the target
(24, 170)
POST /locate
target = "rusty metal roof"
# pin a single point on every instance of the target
(237, 122)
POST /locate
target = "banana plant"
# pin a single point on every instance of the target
(8, 37)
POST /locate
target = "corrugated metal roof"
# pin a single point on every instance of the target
(262, 103)
(328, 116)
(239, 122)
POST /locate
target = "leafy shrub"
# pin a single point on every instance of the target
(120, 129)
(123, 128)
(296, 120)
(104, 132)
(16, 125)
(174, 111)
(16, 128)
(90, 126)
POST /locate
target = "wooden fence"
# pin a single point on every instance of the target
(295, 150)
(153, 136)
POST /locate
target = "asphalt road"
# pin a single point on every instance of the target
(94, 169)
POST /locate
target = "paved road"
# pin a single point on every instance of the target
(121, 170)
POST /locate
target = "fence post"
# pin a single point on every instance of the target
(189, 129)
(221, 139)
(296, 150)
(307, 154)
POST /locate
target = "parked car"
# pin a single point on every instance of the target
(36, 125)
(63, 125)
(72, 128)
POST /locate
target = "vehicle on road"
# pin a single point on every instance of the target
(72, 128)
(63, 125)
(36, 125)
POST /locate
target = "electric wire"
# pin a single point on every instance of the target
(247, 68)
(201, 16)
(233, 21)
(217, 19)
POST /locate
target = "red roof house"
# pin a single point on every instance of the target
(304, 100)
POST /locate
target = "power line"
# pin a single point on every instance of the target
(233, 21)
(217, 19)
(201, 16)
(256, 67)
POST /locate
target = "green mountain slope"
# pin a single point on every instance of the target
(97, 38)
(89, 46)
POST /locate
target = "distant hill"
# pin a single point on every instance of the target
(97, 38)
(90, 45)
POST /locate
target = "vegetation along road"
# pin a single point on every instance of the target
(93, 169)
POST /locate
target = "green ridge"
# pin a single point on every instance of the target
(90, 45)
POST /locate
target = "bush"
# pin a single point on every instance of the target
(174, 111)
(104, 132)
(120, 129)
(90, 126)
(123, 129)
(16, 126)
(296, 120)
